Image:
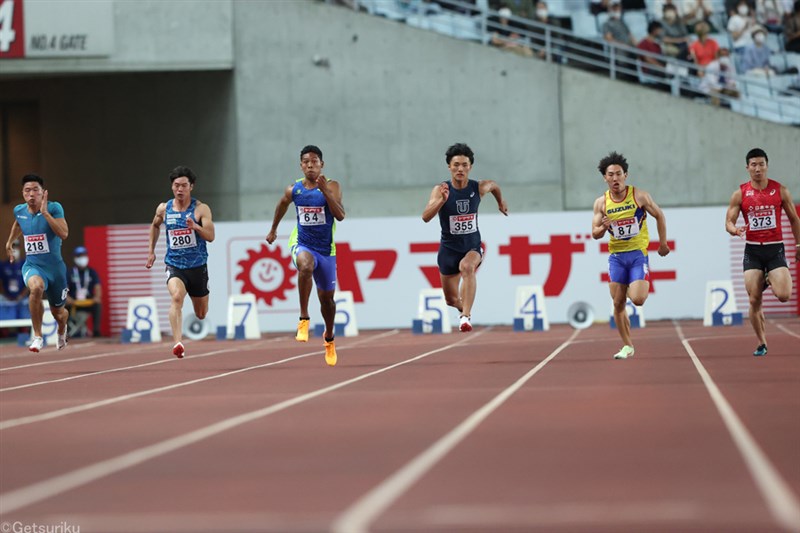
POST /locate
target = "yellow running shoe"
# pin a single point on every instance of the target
(302, 330)
(330, 353)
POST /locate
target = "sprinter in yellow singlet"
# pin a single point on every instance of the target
(622, 212)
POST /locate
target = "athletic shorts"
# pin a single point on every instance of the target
(324, 267)
(449, 260)
(194, 279)
(627, 267)
(55, 282)
(766, 257)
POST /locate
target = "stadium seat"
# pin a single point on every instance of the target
(455, 25)
(637, 23)
(584, 24)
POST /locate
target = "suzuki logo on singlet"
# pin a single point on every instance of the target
(462, 206)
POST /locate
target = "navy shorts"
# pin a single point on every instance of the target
(55, 281)
(627, 267)
(766, 257)
(194, 279)
(324, 267)
(449, 260)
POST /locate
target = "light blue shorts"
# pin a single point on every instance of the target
(324, 267)
(55, 281)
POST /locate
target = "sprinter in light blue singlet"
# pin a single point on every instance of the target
(189, 227)
(42, 225)
(456, 202)
(318, 202)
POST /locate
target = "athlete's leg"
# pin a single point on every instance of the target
(304, 262)
(327, 306)
(177, 292)
(61, 315)
(780, 279)
(36, 288)
(619, 295)
(638, 291)
(200, 304)
(450, 290)
(754, 283)
(469, 282)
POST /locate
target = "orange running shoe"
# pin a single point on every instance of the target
(330, 353)
(302, 330)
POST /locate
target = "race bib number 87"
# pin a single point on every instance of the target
(625, 228)
(762, 220)
(182, 238)
(36, 244)
(463, 224)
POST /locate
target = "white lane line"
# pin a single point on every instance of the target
(84, 357)
(172, 359)
(781, 501)
(25, 420)
(25, 496)
(787, 330)
(358, 517)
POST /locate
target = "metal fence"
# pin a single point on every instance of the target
(773, 98)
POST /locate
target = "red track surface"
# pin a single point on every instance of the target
(586, 443)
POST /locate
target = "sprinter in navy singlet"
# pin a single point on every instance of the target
(42, 225)
(189, 228)
(318, 202)
(456, 201)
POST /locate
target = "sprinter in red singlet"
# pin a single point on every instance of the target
(761, 201)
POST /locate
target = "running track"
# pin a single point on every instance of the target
(492, 431)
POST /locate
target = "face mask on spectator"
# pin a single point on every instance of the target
(670, 16)
(760, 38)
(15, 254)
(615, 14)
(82, 262)
(541, 13)
(743, 10)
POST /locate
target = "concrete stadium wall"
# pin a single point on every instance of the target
(684, 153)
(384, 111)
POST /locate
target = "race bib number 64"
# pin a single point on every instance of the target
(311, 216)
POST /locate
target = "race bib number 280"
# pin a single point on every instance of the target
(36, 244)
(182, 238)
(463, 224)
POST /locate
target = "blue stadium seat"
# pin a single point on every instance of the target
(637, 23)
(584, 24)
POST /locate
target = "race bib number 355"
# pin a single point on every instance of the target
(182, 238)
(311, 216)
(625, 228)
(36, 244)
(463, 224)
(762, 220)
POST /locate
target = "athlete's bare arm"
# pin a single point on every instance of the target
(280, 210)
(205, 224)
(13, 235)
(333, 195)
(485, 186)
(794, 219)
(155, 231)
(439, 196)
(644, 199)
(600, 222)
(733, 215)
(58, 225)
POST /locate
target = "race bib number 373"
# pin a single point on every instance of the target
(463, 224)
(762, 220)
(36, 244)
(182, 238)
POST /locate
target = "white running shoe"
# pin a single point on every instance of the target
(624, 353)
(36, 344)
(62, 340)
(464, 324)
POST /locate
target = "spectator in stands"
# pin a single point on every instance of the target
(657, 7)
(697, 11)
(791, 29)
(521, 8)
(740, 26)
(12, 285)
(650, 44)
(85, 293)
(770, 14)
(598, 6)
(614, 29)
(506, 38)
(719, 77)
(704, 49)
(538, 37)
(755, 58)
(676, 37)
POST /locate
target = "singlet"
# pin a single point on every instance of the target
(762, 213)
(315, 223)
(185, 249)
(628, 224)
(459, 218)
(41, 244)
